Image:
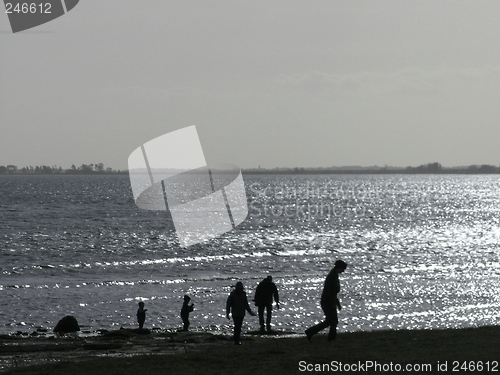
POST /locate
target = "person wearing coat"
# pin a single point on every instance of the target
(329, 303)
(264, 294)
(237, 305)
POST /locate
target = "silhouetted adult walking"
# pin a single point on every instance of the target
(237, 304)
(329, 303)
(264, 294)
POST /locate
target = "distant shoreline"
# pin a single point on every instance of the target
(450, 171)
(433, 168)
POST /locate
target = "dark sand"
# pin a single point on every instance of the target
(132, 352)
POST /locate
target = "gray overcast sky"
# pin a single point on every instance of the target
(270, 83)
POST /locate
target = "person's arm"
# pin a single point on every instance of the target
(331, 286)
(247, 307)
(276, 297)
(228, 305)
(336, 287)
(257, 295)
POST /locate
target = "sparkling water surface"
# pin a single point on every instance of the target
(423, 252)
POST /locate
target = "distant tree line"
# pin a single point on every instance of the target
(431, 168)
(438, 168)
(98, 168)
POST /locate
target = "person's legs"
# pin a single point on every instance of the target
(238, 322)
(329, 320)
(333, 327)
(261, 317)
(318, 327)
(185, 321)
(269, 309)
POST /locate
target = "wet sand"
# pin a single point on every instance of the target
(131, 352)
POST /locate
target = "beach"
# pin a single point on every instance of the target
(457, 351)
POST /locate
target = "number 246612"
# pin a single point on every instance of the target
(28, 8)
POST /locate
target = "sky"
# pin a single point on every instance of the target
(267, 83)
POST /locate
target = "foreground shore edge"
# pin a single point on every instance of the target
(465, 351)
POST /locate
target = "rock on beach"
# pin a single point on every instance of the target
(68, 324)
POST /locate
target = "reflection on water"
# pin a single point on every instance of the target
(423, 252)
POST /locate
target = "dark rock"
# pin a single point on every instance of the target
(68, 324)
(102, 346)
(8, 337)
(142, 331)
(125, 333)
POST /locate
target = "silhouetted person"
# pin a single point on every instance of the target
(141, 314)
(186, 309)
(264, 294)
(237, 304)
(329, 303)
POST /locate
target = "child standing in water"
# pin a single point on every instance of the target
(186, 309)
(141, 315)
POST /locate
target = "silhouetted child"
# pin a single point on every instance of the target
(141, 314)
(186, 309)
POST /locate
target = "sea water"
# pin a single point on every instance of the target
(422, 253)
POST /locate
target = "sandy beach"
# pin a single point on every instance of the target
(466, 351)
